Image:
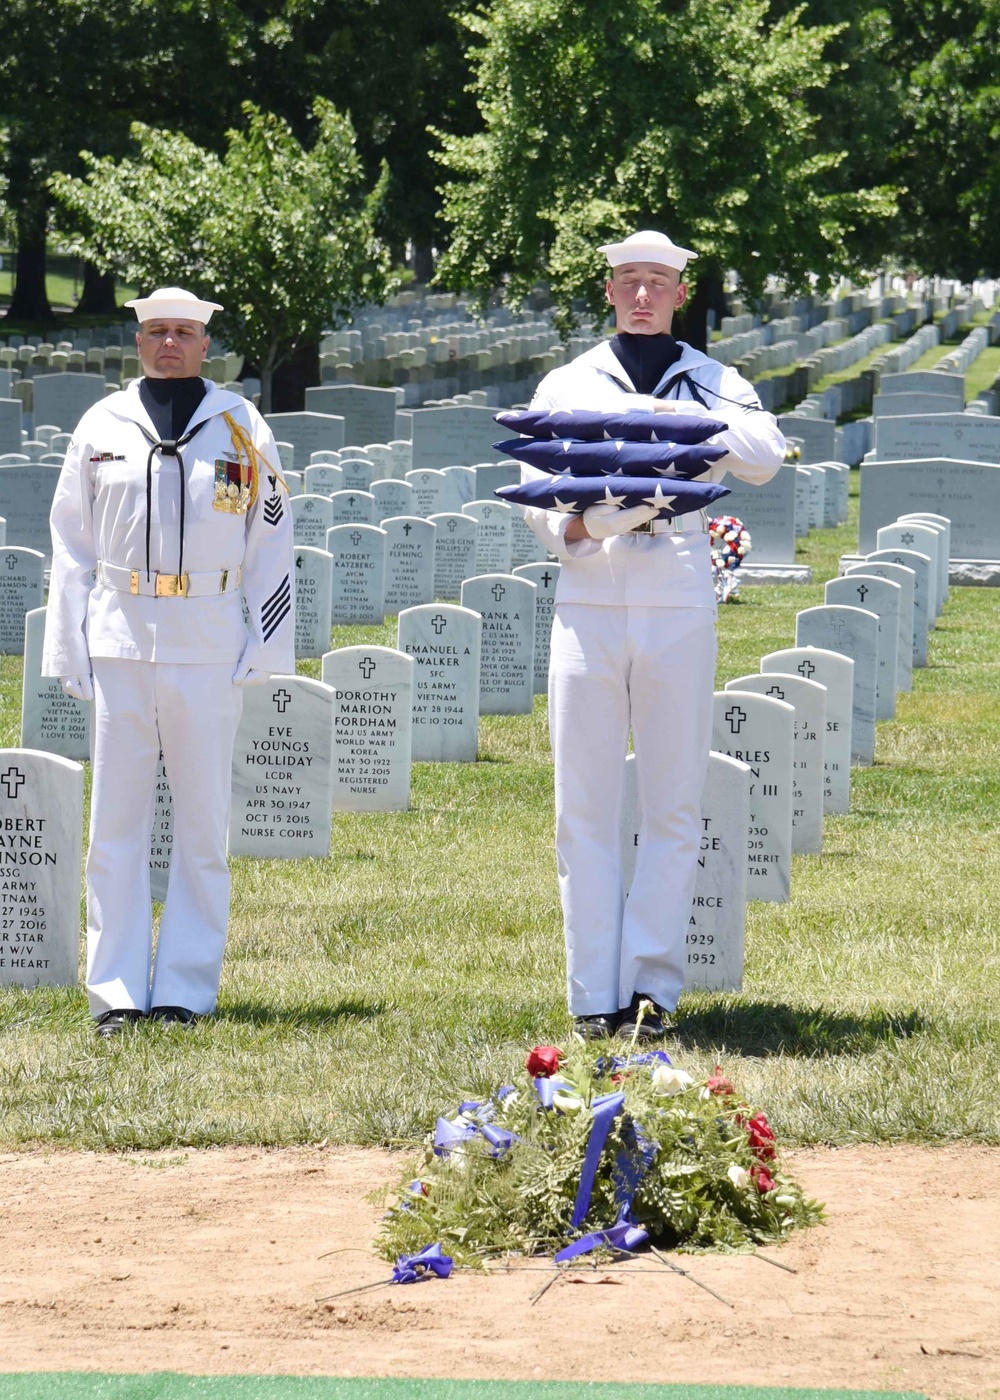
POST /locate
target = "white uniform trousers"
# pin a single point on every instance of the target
(191, 713)
(653, 669)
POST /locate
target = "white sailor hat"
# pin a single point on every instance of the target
(647, 246)
(173, 303)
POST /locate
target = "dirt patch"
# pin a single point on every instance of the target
(210, 1262)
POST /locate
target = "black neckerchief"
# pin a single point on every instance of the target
(171, 404)
(645, 358)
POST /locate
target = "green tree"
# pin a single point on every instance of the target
(281, 235)
(76, 73)
(621, 114)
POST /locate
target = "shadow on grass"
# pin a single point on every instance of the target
(254, 1014)
(774, 1028)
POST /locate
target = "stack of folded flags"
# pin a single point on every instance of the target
(621, 459)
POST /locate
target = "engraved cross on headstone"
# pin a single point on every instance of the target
(407, 528)
(439, 623)
(498, 591)
(282, 699)
(547, 578)
(863, 591)
(355, 538)
(11, 561)
(13, 780)
(837, 625)
(452, 526)
(736, 718)
(777, 691)
(366, 666)
(806, 668)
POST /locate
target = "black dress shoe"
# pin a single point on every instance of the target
(114, 1022)
(173, 1015)
(649, 1027)
(599, 1027)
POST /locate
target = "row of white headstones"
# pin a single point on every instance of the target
(784, 741)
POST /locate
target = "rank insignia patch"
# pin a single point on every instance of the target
(272, 506)
(232, 487)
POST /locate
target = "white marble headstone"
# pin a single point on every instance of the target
(26, 494)
(433, 493)
(359, 473)
(312, 516)
(854, 633)
(322, 479)
(714, 943)
(493, 546)
(966, 492)
(358, 575)
(444, 641)
(920, 566)
(307, 432)
(373, 716)
(464, 481)
(835, 673)
(409, 562)
(507, 656)
(808, 699)
(759, 731)
(51, 720)
(352, 508)
(943, 525)
(904, 580)
(41, 841)
(545, 577)
(922, 539)
(282, 770)
(21, 581)
(313, 593)
(454, 554)
(391, 498)
(882, 597)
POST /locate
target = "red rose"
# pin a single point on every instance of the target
(762, 1180)
(761, 1137)
(543, 1061)
(719, 1084)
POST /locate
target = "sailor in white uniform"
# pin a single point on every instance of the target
(633, 646)
(169, 507)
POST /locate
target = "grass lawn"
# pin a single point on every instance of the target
(365, 992)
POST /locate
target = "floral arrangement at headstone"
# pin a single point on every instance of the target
(730, 542)
(582, 1155)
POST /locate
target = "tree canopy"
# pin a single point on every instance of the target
(620, 114)
(282, 235)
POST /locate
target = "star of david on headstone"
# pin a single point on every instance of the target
(736, 718)
(498, 591)
(13, 780)
(366, 666)
(439, 623)
(908, 538)
(777, 691)
(282, 699)
(355, 538)
(806, 668)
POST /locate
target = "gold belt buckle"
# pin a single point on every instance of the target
(134, 582)
(171, 585)
(646, 528)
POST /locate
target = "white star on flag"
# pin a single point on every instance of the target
(611, 499)
(658, 499)
(565, 507)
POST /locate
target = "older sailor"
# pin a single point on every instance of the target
(169, 507)
(633, 646)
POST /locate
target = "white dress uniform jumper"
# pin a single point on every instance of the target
(633, 646)
(154, 541)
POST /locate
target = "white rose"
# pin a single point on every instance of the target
(738, 1175)
(668, 1080)
(566, 1102)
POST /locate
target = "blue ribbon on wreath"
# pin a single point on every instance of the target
(474, 1120)
(414, 1268)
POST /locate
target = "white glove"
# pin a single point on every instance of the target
(603, 520)
(78, 687)
(246, 675)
